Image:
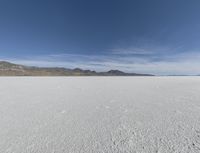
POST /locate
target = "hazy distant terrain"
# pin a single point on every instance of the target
(99, 114)
(10, 69)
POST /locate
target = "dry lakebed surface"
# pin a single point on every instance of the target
(99, 114)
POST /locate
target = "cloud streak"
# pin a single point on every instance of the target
(176, 64)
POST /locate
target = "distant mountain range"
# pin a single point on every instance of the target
(10, 69)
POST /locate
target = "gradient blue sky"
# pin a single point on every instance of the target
(144, 36)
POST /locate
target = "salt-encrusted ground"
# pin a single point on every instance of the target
(99, 114)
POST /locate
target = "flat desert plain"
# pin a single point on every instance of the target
(99, 114)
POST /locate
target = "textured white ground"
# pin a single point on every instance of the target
(100, 115)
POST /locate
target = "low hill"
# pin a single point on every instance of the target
(10, 69)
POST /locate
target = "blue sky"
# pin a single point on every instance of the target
(145, 36)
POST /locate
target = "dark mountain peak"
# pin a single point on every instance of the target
(77, 70)
(8, 65)
(115, 72)
(5, 63)
(81, 70)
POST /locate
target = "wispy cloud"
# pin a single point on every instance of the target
(132, 51)
(154, 63)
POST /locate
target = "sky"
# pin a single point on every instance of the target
(160, 37)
